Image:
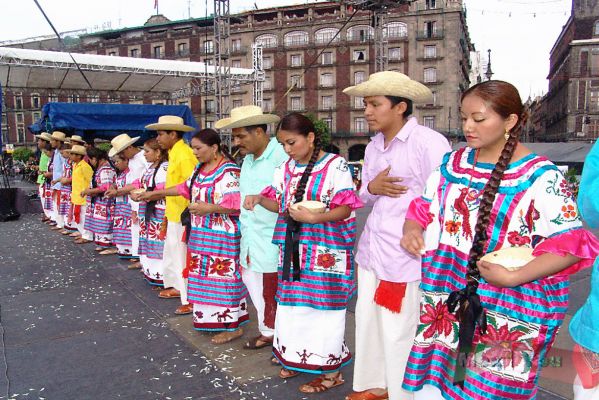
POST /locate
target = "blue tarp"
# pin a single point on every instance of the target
(105, 121)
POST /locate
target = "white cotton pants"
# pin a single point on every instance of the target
(383, 338)
(59, 219)
(581, 393)
(173, 259)
(40, 191)
(85, 234)
(254, 281)
(135, 238)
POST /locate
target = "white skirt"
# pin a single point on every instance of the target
(310, 340)
(153, 270)
(219, 318)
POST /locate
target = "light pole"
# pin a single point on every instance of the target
(489, 73)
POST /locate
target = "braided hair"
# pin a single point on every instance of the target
(503, 98)
(298, 123)
(301, 125)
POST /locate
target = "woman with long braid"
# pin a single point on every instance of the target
(485, 330)
(316, 265)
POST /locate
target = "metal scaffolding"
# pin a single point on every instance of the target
(222, 65)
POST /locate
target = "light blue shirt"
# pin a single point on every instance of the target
(58, 168)
(584, 327)
(257, 226)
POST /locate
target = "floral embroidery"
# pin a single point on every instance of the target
(326, 260)
(504, 347)
(568, 213)
(439, 320)
(453, 227)
(516, 239)
(430, 217)
(220, 267)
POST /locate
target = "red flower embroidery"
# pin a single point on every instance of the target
(505, 346)
(221, 266)
(531, 216)
(325, 260)
(516, 239)
(440, 320)
(453, 227)
(430, 217)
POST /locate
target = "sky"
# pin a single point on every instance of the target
(520, 33)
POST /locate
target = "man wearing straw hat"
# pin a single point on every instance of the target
(258, 256)
(181, 163)
(124, 145)
(43, 143)
(397, 163)
(56, 141)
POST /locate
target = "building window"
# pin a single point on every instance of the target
(237, 103)
(157, 51)
(327, 58)
(326, 80)
(267, 105)
(295, 81)
(182, 49)
(208, 47)
(296, 38)
(359, 55)
(360, 124)
(360, 33)
(594, 100)
(209, 105)
(324, 36)
(52, 98)
(430, 51)
(359, 102)
(20, 118)
(395, 53)
(296, 103)
(134, 53)
(430, 29)
(430, 75)
(329, 122)
(267, 83)
(19, 102)
(112, 53)
(326, 102)
(74, 98)
(596, 31)
(236, 45)
(236, 63)
(296, 60)
(267, 63)
(429, 122)
(20, 134)
(93, 99)
(208, 61)
(35, 101)
(267, 40)
(431, 4)
(359, 77)
(37, 116)
(395, 30)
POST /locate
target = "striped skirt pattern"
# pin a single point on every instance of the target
(121, 231)
(98, 218)
(151, 241)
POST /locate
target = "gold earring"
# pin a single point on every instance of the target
(506, 135)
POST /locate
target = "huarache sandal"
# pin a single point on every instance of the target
(108, 251)
(258, 342)
(322, 384)
(227, 336)
(82, 241)
(285, 373)
(171, 293)
(367, 395)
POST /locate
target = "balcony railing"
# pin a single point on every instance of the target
(435, 34)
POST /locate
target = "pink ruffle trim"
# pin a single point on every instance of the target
(104, 187)
(419, 211)
(231, 201)
(346, 198)
(183, 190)
(136, 183)
(579, 242)
(160, 186)
(269, 192)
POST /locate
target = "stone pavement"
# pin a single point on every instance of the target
(76, 325)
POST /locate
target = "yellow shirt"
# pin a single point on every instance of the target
(82, 177)
(181, 163)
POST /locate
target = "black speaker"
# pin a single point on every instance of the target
(8, 210)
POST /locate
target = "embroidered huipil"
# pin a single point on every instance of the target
(122, 213)
(534, 208)
(213, 248)
(151, 240)
(99, 211)
(412, 155)
(326, 249)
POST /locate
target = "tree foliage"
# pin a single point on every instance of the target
(22, 154)
(322, 130)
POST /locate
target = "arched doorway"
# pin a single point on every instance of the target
(356, 152)
(331, 148)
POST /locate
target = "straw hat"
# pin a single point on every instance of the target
(391, 83)
(44, 136)
(77, 139)
(170, 123)
(120, 143)
(58, 135)
(246, 116)
(78, 149)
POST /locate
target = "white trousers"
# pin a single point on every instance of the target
(254, 281)
(85, 234)
(173, 259)
(581, 393)
(59, 219)
(135, 238)
(383, 338)
(40, 190)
